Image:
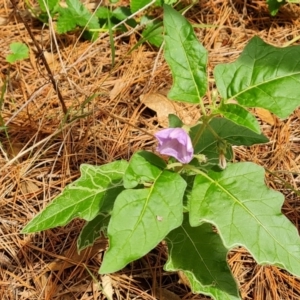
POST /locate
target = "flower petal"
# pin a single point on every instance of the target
(175, 142)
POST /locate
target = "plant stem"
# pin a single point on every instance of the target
(205, 121)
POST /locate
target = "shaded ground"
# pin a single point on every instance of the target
(40, 153)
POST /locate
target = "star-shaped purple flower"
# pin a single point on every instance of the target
(175, 142)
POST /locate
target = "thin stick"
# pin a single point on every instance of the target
(41, 54)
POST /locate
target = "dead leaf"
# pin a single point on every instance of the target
(72, 257)
(188, 113)
(119, 86)
(29, 187)
(161, 105)
(49, 57)
(108, 290)
(265, 115)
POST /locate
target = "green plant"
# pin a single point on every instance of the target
(19, 51)
(75, 15)
(199, 202)
(104, 19)
(274, 5)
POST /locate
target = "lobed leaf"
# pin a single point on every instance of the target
(246, 213)
(76, 14)
(19, 51)
(48, 5)
(186, 57)
(205, 265)
(263, 76)
(83, 198)
(141, 218)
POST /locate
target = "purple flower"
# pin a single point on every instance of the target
(175, 142)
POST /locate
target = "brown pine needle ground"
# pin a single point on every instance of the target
(41, 153)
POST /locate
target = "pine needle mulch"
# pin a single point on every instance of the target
(41, 149)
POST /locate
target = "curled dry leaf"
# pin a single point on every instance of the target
(188, 113)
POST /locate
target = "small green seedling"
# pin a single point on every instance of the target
(19, 51)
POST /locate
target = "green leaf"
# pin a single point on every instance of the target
(222, 129)
(83, 198)
(76, 14)
(143, 167)
(103, 13)
(153, 33)
(240, 116)
(274, 6)
(19, 51)
(50, 4)
(205, 265)
(136, 5)
(174, 121)
(189, 179)
(92, 230)
(141, 218)
(215, 293)
(263, 76)
(121, 13)
(186, 57)
(246, 213)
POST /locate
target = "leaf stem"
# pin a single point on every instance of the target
(202, 107)
(194, 169)
(205, 121)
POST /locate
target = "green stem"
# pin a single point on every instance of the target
(213, 132)
(194, 169)
(205, 121)
(174, 165)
